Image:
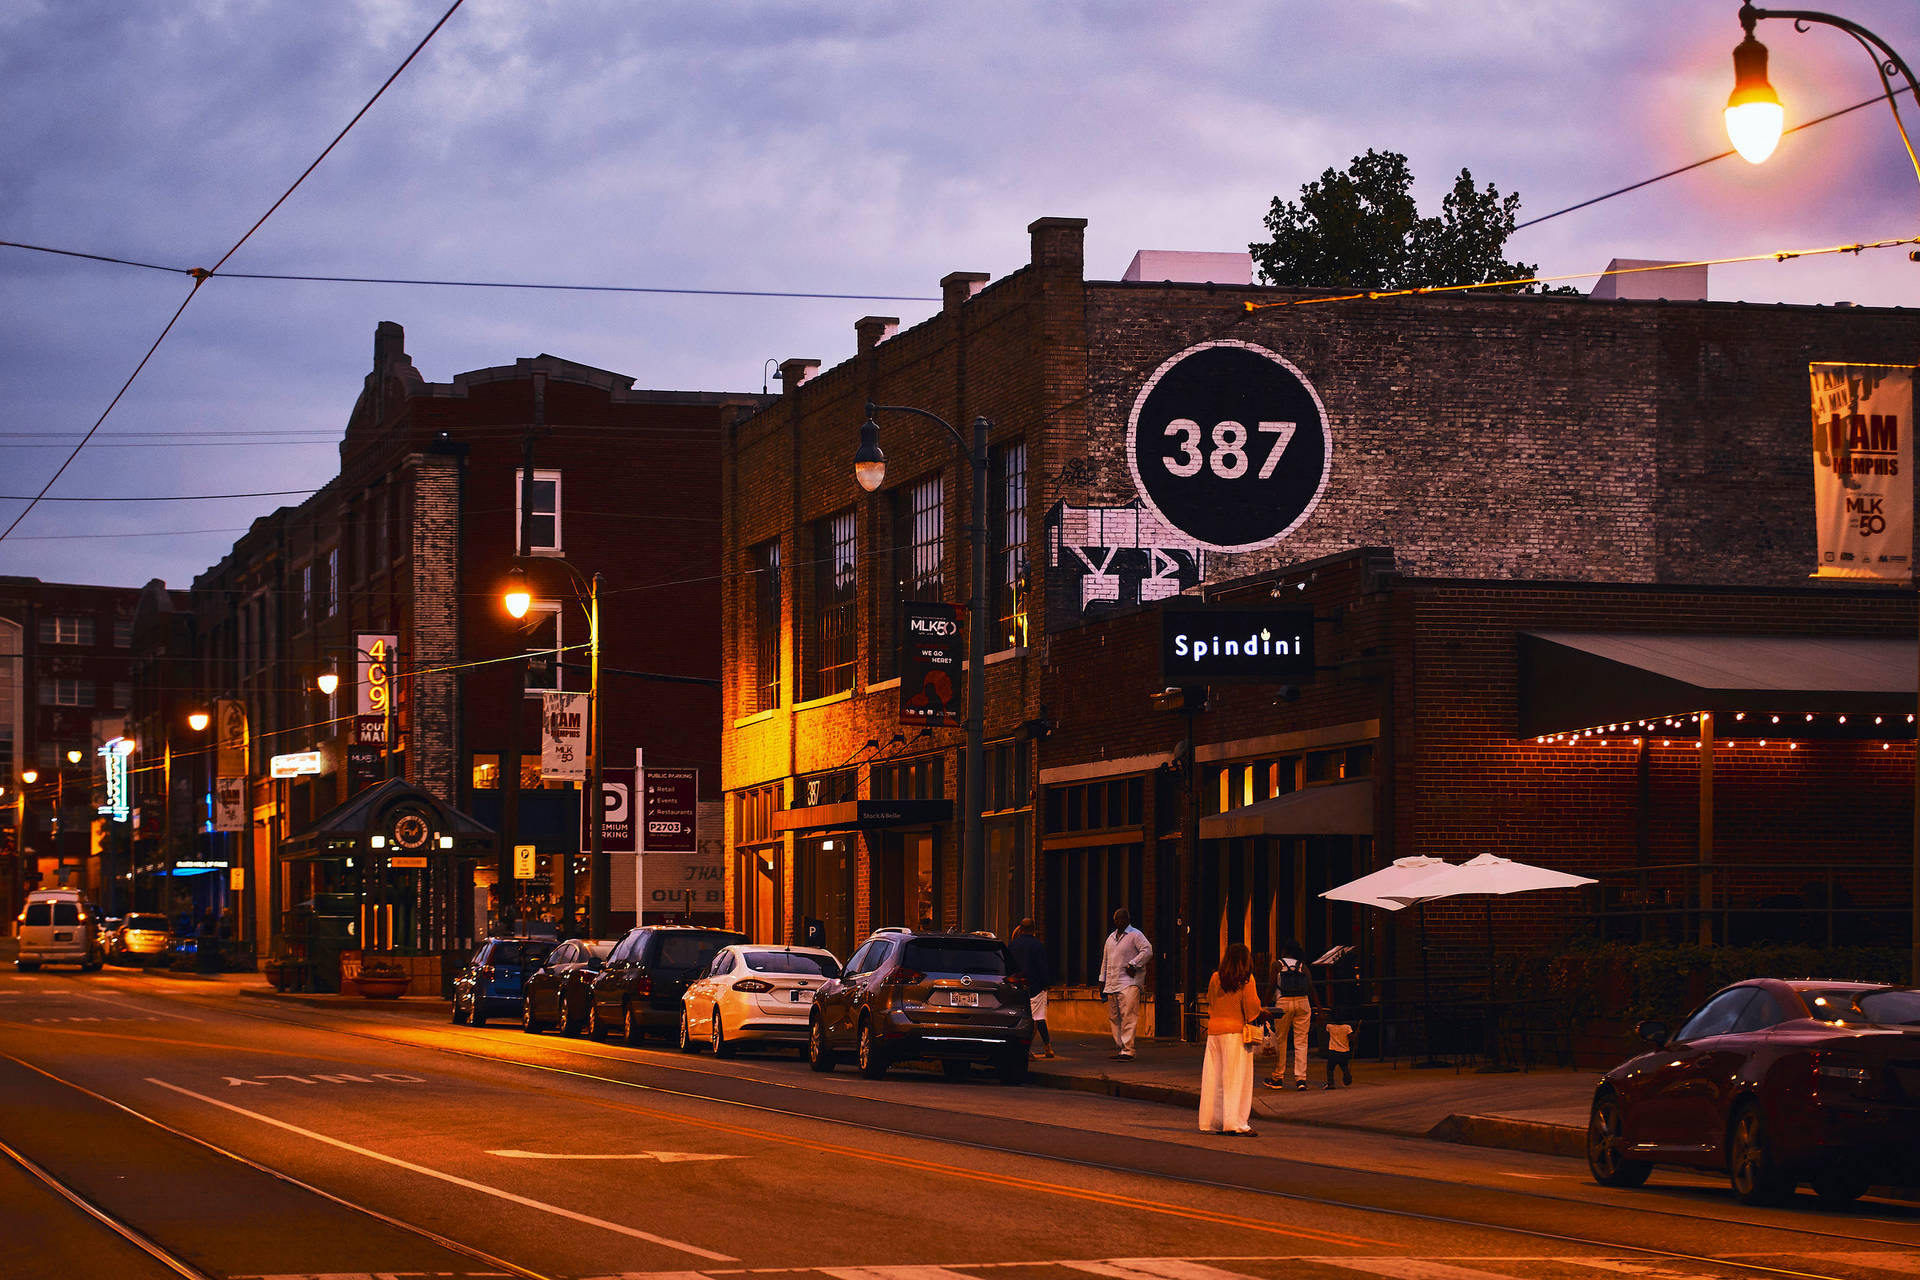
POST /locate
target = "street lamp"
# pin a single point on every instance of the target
(1754, 114)
(870, 471)
(517, 595)
(1761, 130)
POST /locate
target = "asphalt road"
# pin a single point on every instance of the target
(154, 1127)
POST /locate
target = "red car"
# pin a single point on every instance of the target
(1775, 1083)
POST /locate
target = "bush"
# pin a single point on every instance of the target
(1631, 981)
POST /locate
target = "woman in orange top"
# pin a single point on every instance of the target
(1226, 1078)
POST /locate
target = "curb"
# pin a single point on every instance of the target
(1504, 1134)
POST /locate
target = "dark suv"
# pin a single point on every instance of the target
(953, 998)
(640, 988)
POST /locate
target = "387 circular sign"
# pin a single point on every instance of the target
(1228, 442)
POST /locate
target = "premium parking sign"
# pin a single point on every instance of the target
(1228, 442)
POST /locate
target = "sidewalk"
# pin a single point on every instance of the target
(1543, 1110)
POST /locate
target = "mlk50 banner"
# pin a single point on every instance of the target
(1863, 470)
(563, 736)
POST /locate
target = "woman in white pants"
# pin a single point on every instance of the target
(1226, 1077)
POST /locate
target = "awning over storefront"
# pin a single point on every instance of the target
(864, 815)
(1572, 680)
(1337, 809)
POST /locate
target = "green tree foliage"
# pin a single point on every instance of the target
(1360, 229)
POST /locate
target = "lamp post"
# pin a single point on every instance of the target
(1754, 121)
(328, 681)
(518, 598)
(27, 778)
(870, 471)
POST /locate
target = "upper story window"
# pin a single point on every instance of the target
(66, 628)
(303, 597)
(834, 576)
(382, 529)
(541, 515)
(66, 693)
(332, 585)
(1010, 552)
(763, 693)
(123, 632)
(919, 559)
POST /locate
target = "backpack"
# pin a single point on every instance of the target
(1290, 978)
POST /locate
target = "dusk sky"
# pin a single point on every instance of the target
(849, 148)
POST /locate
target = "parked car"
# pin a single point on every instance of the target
(493, 980)
(1775, 1083)
(641, 987)
(754, 993)
(58, 926)
(141, 938)
(953, 998)
(556, 992)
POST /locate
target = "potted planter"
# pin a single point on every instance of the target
(382, 980)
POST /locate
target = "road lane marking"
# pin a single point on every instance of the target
(894, 1273)
(1162, 1268)
(122, 1004)
(664, 1157)
(1416, 1269)
(1906, 1264)
(454, 1179)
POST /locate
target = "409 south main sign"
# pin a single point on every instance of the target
(1228, 443)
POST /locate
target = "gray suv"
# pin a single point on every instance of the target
(951, 998)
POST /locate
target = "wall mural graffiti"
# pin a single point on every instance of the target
(1105, 559)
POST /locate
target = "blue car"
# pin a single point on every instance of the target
(493, 982)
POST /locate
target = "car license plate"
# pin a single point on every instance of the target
(801, 995)
(967, 998)
(63, 937)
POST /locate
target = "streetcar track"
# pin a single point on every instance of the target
(1130, 1170)
(137, 1239)
(447, 1242)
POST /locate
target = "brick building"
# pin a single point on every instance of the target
(66, 686)
(1476, 496)
(413, 539)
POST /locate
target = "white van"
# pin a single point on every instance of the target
(58, 927)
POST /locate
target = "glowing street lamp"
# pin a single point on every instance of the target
(1754, 114)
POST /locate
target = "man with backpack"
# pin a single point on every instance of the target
(1293, 1013)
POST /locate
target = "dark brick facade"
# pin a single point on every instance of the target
(1500, 464)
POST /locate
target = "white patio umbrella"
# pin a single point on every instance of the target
(1487, 874)
(1391, 888)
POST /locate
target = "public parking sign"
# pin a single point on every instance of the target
(1228, 442)
(671, 815)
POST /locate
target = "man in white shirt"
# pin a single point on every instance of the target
(1123, 969)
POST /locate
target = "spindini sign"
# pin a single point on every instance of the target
(1235, 646)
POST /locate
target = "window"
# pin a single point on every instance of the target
(833, 605)
(834, 787)
(66, 628)
(798, 962)
(123, 632)
(382, 544)
(541, 515)
(919, 779)
(919, 545)
(1007, 768)
(1010, 579)
(303, 612)
(1079, 892)
(764, 693)
(122, 695)
(332, 588)
(543, 645)
(66, 693)
(1717, 1016)
(753, 814)
(1096, 806)
(487, 776)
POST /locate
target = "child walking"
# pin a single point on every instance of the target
(1339, 1049)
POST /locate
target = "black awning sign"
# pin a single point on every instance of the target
(1236, 646)
(1229, 443)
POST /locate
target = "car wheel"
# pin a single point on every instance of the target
(630, 1026)
(722, 1047)
(1013, 1067)
(476, 1012)
(26, 966)
(596, 1030)
(1841, 1184)
(954, 1069)
(1606, 1147)
(565, 1020)
(527, 1023)
(459, 1014)
(687, 1043)
(1756, 1178)
(819, 1056)
(872, 1065)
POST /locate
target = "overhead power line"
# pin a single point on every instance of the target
(201, 275)
(175, 497)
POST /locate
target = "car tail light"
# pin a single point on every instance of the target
(1833, 1072)
(1018, 981)
(905, 977)
(754, 985)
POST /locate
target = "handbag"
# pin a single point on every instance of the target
(1251, 1035)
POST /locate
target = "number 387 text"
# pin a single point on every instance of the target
(1228, 460)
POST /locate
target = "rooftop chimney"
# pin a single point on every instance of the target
(796, 371)
(871, 331)
(1059, 242)
(957, 286)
